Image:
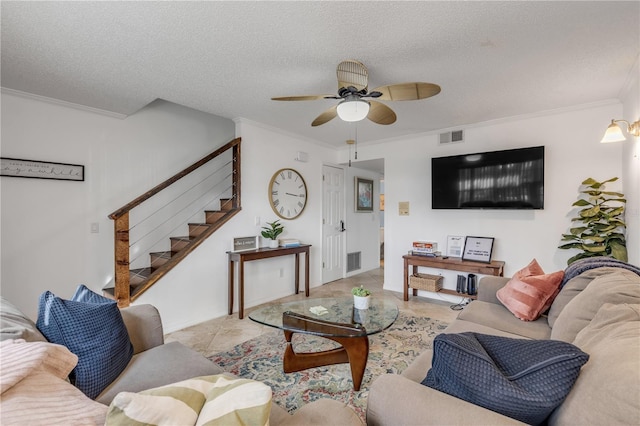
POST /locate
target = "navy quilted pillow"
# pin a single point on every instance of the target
(523, 379)
(91, 327)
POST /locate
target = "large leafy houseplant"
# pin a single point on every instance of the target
(601, 228)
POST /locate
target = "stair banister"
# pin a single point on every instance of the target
(121, 219)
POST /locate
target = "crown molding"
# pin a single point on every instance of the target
(27, 95)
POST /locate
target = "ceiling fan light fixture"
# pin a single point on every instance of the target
(353, 110)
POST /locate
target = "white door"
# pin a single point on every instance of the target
(333, 227)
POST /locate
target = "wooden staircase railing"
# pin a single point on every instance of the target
(124, 291)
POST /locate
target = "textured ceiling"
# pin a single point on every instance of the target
(492, 59)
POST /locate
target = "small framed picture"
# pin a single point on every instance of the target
(478, 249)
(364, 195)
(245, 243)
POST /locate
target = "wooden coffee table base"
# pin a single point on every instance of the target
(352, 338)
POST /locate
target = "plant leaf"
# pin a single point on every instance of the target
(618, 251)
(578, 230)
(581, 203)
(594, 248)
(590, 212)
(570, 246)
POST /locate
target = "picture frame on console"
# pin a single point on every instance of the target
(364, 194)
(478, 249)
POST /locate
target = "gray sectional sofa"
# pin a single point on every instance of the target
(154, 364)
(598, 310)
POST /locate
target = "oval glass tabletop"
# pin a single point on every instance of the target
(382, 312)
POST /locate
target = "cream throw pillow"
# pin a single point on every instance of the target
(207, 400)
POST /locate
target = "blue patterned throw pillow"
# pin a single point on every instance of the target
(91, 327)
(523, 379)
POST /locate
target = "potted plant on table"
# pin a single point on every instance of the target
(272, 231)
(361, 297)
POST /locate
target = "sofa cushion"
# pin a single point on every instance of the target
(323, 412)
(530, 291)
(607, 390)
(572, 288)
(522, 379)
(209, 400)
(618, 286)
(500, 318)
(92, 328)
(35, 390)
(148, 370)
(16, 325)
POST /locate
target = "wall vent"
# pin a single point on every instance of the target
(353, 261)
(452, 137)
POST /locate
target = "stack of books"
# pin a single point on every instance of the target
(289, 242)
(425, 248)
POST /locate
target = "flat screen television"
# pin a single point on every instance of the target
(509, 179)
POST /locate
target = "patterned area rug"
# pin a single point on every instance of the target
(390, 351)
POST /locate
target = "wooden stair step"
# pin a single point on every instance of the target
(178, 243)
(159, 258)
(226, 204)
(136, 276)
(212, 216)
(196, 229)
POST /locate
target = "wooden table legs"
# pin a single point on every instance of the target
(353, 338)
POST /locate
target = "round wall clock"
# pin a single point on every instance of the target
(287, 193)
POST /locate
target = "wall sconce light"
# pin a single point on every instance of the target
(353, 109)
(614, 132)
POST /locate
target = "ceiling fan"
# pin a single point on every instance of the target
(356, 103)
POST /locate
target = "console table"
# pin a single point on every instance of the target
(264, 253)
(495, 268)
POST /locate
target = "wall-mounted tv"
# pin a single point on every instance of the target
(509, 179)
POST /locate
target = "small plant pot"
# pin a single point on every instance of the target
(361, 302)
(273, 243)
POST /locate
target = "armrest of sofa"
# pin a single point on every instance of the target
(396, 400)
(488, 286)
(144, 326)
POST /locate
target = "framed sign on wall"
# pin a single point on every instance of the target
(15, 167)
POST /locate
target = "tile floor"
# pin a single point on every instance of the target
(223, 333)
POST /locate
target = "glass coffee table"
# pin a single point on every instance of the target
(332, 318)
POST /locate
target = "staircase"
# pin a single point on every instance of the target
(132, 283)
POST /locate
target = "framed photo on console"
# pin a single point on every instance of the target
(478, 249)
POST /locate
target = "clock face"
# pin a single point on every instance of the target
(287, 193)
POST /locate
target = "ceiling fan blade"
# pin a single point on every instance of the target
(352, 73)
(407, 91)
(304, 98)
(326, 116)
(380, 113)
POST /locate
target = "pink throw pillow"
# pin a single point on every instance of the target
(530, 291)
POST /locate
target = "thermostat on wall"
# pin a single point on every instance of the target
(403, 208)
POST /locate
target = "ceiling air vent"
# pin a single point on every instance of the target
(452, 137)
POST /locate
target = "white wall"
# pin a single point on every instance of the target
(363, 228)
(572, 152)
(46, 243)
(631, 164)
(45, 224)
(264, 151)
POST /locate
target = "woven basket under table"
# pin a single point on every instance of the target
(426, 282)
